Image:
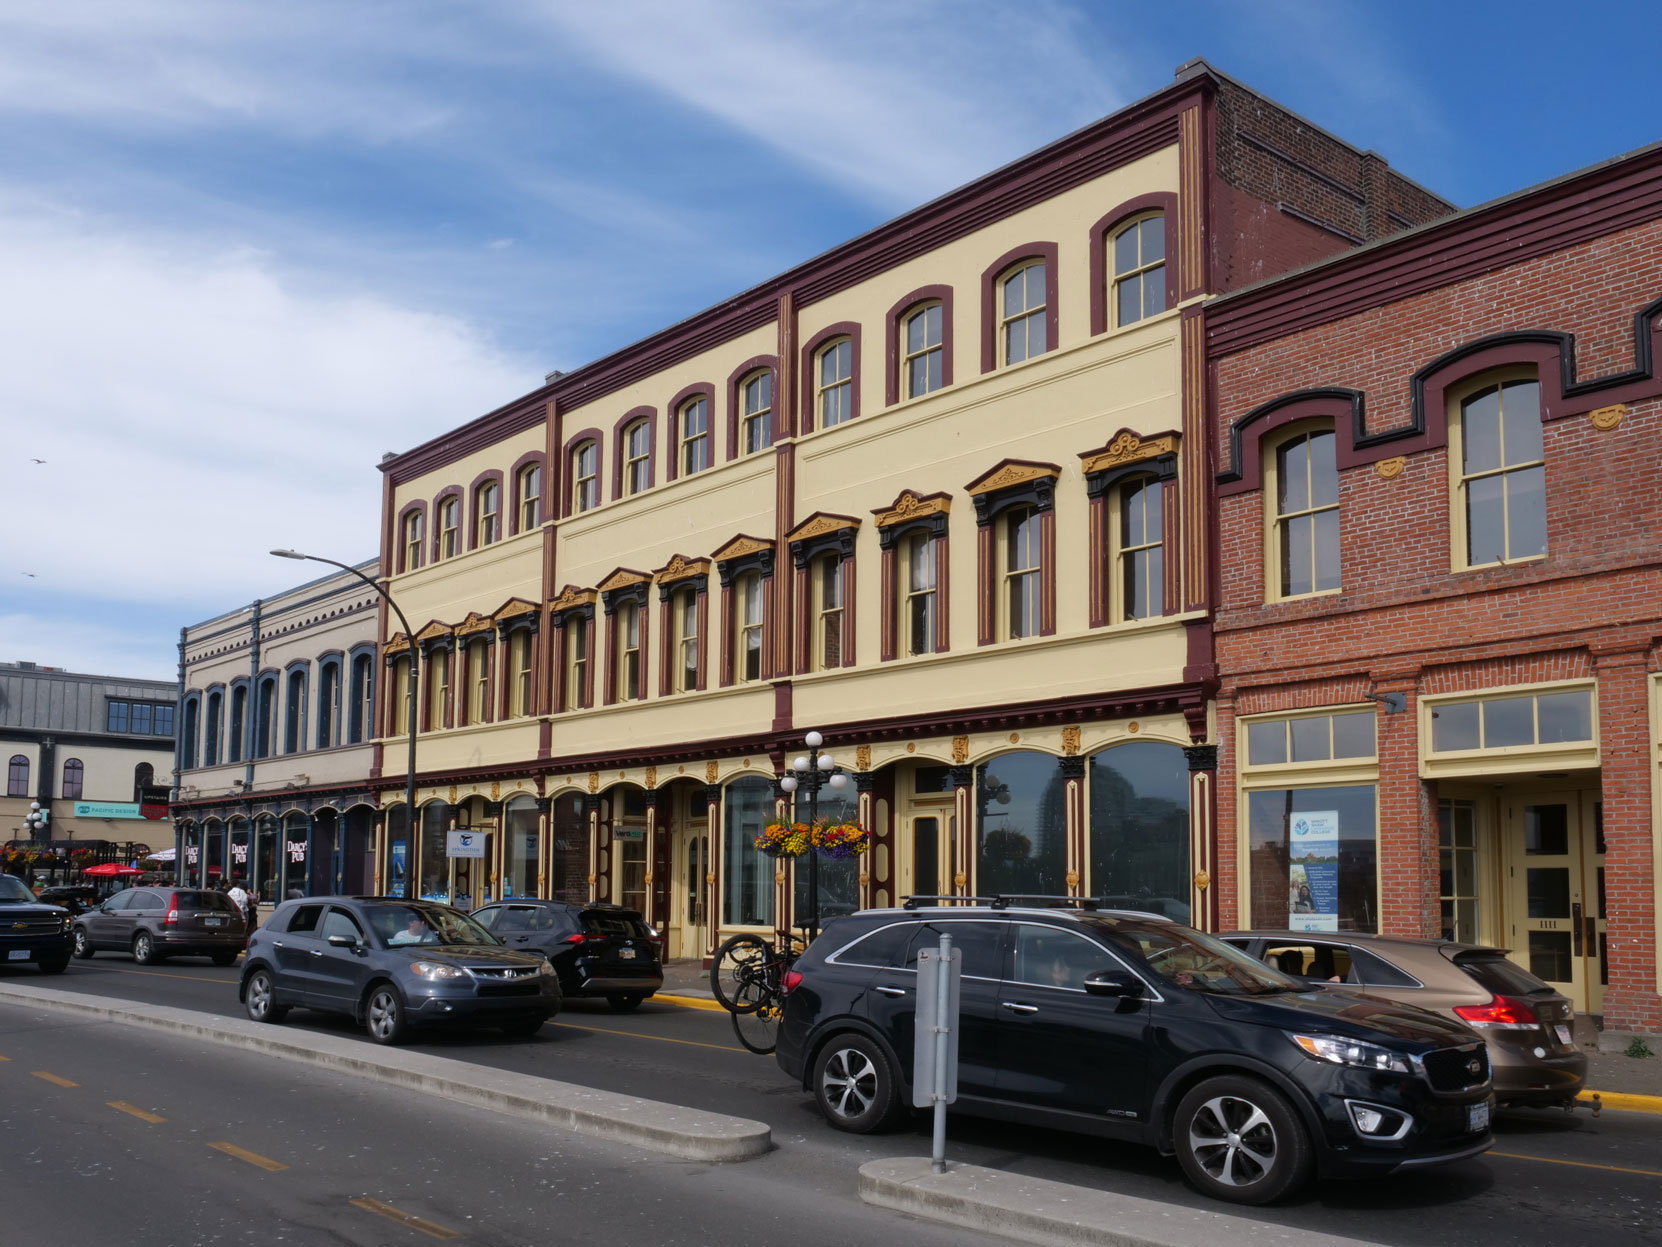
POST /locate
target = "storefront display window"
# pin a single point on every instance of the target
(519, 850)
(568, 879)
(1139, 828)
(838, 878)
(435, 852)
(747, 874)
(1314, 858)
(1021, 826)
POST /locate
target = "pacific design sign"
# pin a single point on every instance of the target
(109, 809)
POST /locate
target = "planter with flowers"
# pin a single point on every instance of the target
(782, 839)
(841, 841)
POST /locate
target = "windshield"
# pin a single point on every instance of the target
(14, 889)
(398, 925)
(1196, 962)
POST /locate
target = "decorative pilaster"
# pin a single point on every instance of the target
(963, 836)
(1203, 804)
(597, 852)
(545, 843)
(712, 927)
(1073, 778)
(865, 785)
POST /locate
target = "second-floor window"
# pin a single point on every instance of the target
(1307, 514)
(363, 700)
(694, 422)
(450, 527)
(211, 729)
(265, 718)
(637, 457)
(488, 508)
(918, 605)
(1141, 549)
(585, 477)
(17, 776)
(756, 413)
(686, 641)
(519, 673)
(834, 384)
(294, 713)
(478, 681)
(74, 775)
(748, 620)
(577, 664)
(1023, 563)
(1022, 313)
(920, 339)
(628, 652)
(438, 688)
(402, 699)
(239, 716)
(415, 530)
(1139, 265)
(328, 705)
(1503, 475)
(530, 497)
(828, 612)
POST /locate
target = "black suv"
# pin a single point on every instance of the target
(1134, 1027)
(597, 950)
(30, 929)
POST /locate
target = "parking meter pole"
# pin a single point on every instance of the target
(943, 1031)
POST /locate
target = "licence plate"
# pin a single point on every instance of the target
(214, 922)
(1477, 1116)
(17, 954)
(628, 954)
(1563, 1033)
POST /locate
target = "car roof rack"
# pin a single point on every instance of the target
(1006, 899)
(913, 902)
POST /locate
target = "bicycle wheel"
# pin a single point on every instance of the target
(742, 961)
(758, 1027)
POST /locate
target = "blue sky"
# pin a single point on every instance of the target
(250, 247)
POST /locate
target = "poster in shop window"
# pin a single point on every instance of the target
(1313, 871)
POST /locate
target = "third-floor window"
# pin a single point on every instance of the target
(756, 413)
(920, 340)
(488, 508)
(695, 436)
(834, 384)
(1022, 313)
(1306, 494)
(585, 477)
(450, 527)
(637, 457)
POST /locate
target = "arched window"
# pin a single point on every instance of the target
(756, 412)
(265, 717)
(1139, 549)
(294, 712)
(1021, 825)
(1138, 252)
(212, 728)
(921, 346)
(415, 533)
(239, 721)
(693, 422)
(748, 617)
(188, 756)
(1021, 313)
(834, 383)
(530, 497)
(1502, 474)
(1304, 490)
(73, 776)
(487, 510)
(637, 457)
(144, 775)
(328, 704)
(585, 477)
(17, 776)
(1139, 828)
(363, 700)
(450, 527)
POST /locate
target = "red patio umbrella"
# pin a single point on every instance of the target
(110, 869)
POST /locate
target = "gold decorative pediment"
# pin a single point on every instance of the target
(911, 506)
(475, 622)
(571, 596)
(741, 546)
(434, 631)
(514, 608)
(397, 644)
(682, 568)
(622, 578)
(820, 523)
(1128, 447)
(1011, 472)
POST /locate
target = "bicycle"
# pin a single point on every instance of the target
(747, 978)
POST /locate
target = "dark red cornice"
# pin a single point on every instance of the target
(1596, 202)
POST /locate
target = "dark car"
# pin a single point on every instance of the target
(1134, 1027)
(156, 923)
(77, 898)
(597, 950)
(1529, 1027)
(31, 930)
(392, 964)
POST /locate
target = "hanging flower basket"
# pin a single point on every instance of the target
(841, 840)
(782, 839)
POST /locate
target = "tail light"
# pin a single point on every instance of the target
(172, 919)
(790, 981)
(579, 937)
(1501, 1013)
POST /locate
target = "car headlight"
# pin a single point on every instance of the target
(547, 970)
(68, 922)
(437, 970)
(1352, 1052)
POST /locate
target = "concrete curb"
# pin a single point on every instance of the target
(1627, 1101)
(1061, 1215)
(689, 1133)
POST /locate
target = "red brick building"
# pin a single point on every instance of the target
(1438, 598)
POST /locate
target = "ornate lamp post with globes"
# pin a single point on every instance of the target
(812, 771)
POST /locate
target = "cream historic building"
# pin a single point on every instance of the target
(939, 493)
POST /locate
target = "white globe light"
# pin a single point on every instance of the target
(34, 805)
(826, 762)
(788, 784)
(814, 739)
(801, 764)
(839, 780)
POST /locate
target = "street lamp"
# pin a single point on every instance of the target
(811, 773)
(35, 820)
(413, 872)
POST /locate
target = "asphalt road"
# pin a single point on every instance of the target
(1553, 1177)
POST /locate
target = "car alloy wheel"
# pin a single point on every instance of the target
(260, 998)
(144, 950)
(854, 1084)
(83, 946)
(1239, 1139)
(1233, 1140)
(384, 1016)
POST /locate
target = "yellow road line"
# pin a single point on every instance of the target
(431, 1228)
(253, 1158)
(1578, 1164)
(689, 1002)
(54, 1079)
(136, 1111)
(1624, 1100)
(691, 1043)
(5, 1058)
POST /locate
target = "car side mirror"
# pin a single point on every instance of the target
(1119, 984)
(342, 941)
